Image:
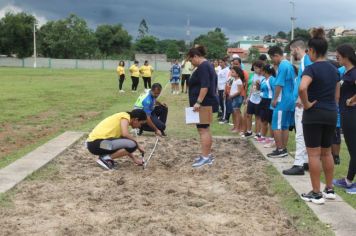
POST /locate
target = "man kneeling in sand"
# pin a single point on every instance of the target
(111, 139)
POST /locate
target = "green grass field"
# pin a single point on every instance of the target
(39, 104)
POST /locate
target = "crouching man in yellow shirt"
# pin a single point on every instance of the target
(111, 139)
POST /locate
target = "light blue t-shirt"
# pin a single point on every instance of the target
(255, 95)
(304, 62)
(342, 70)
(272, 81)
(285, 79)
(266, 88)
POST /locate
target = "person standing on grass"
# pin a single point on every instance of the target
(265, 112)
(236, 61)
(156, 112)
(282, 102)
(121, 73)
(175, 76)
(319, 91)
(235, 96)
(146, 72)
(186, 72)
(298, 51)
(347, 105)
(202, 92)
(135, 73)
(223, 76)
(254, 100)
(111, 138)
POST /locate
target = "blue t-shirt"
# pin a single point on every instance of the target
(204, 77)
(347, 90)
(322, 88)
(175, 70)
(272, 81)
(146, 102)
(342, 70)
(304, 62)
(285, 79)
(266, 88)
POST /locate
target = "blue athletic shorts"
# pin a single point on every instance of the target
(281, 120)
(175, 80)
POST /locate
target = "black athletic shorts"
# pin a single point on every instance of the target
(264, 110)
(253, 109)
(318, 135)
(95, 148)
(185, 77)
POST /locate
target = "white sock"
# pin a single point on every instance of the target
(107, 157)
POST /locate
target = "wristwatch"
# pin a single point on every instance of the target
(198, 102)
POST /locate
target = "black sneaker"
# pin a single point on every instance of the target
(163, 133)
(248, 134)
(316, 198)
(295, 170)
(329, 193)
(107, 164)
(278, 153)
(336, 159)
(140, 132)
(306, 166)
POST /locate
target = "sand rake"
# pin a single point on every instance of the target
(145, 162)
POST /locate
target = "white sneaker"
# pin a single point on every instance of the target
(122, 91)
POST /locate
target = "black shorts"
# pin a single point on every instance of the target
(253, 109)
(203, 126)
(318, 135)
(96, 147)
(264, 110)
(337, 136)
(185, 77)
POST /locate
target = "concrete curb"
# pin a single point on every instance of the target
(337, 213)
(14, 173)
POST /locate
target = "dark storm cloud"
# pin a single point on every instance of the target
(167, 18)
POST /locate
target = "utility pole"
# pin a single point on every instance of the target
(188, 32)
(34, 46)
(293, 18)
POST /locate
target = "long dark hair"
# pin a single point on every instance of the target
(240, 72)
(269, 69)
(138, 114)
(347, 51)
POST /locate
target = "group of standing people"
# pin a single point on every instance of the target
(145, 71)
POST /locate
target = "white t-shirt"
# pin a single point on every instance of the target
(255, 96)
(235, 86)
(223, 76)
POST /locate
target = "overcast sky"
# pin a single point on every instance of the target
(168, 18)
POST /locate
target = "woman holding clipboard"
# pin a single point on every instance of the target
(202, 92)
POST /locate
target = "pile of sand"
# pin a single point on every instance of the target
(231, 197)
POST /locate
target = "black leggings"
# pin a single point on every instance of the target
(121, 81)
(349, 127)
(109, 146)
(135, 81)
(147, 82)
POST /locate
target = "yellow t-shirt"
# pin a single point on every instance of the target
(110, 127)
(134, 71)
(146, 71)
(120, 70)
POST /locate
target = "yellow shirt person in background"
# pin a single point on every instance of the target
(146, 71)
(135, 73)
(121, 75)
(111, 138)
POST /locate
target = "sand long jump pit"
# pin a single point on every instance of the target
(231, 197)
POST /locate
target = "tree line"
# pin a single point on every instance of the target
(71, 37)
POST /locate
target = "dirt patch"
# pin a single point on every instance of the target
(230, 197)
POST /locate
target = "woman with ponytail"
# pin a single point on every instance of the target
(319, 93)
(345, 54)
